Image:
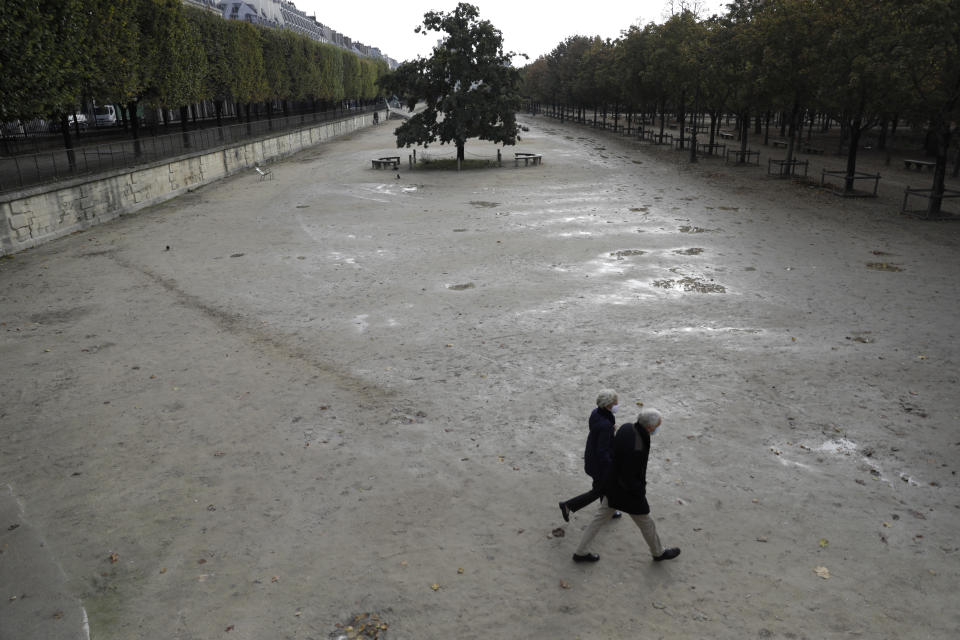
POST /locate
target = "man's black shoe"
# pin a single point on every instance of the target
(565, 510)
(668, 554)
(617, 514)
(589, 557)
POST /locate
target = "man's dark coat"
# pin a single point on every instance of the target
(626, 486)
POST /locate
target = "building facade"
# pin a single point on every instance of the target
(283, 14)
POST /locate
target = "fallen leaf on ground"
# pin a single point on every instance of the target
(114, 557)
(435, 586)
(564, 584)
(230, 628)
(823, 543)
(823, 572)
(275, 579)
(558, 532)
(460, 570)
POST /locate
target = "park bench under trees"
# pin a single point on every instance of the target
(527, 158)
(386, 162)
(919, 164)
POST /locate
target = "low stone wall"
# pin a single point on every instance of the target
(33, 216)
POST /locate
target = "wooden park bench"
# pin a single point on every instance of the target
(392, 162)
(263, 173)
(725, 135)
(919, 164)
(527, 158)
(812, 150)
(779, 144)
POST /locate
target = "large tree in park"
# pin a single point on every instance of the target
(468, 84)
(856, 85)
(794, 39)
(929, 36)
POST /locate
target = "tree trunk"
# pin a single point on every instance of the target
(460, 155)
(856, 128)
(135, 128)
(940, 171)
(744, 133)
(794, 115)
(184, 126)
(68, 141)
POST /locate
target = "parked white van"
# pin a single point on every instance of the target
(105, 115)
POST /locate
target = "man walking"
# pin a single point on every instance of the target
(626, 488)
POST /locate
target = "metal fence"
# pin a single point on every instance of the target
(17, 172)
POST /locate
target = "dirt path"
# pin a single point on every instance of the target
(337, 389)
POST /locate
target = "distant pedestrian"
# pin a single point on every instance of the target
(376, 117)
(598, 454)
(626, 488)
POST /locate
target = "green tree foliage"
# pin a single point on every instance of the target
(172, 59)
(468, 84)
(277, 50)
(220, 43)
(352, 82)
(111, 70)
(250, 77)
(330, 60)
(41, 45)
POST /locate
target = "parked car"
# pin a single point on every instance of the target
(81, 120)
(106, 115)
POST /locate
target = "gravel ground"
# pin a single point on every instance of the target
(265, 409)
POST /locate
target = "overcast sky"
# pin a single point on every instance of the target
(533, 27)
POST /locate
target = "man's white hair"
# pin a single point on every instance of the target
(606, 397)
(649, 418)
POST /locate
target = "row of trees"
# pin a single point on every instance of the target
(58, 54)
(862, 63)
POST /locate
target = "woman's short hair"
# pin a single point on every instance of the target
(606, 397)
(649, 418)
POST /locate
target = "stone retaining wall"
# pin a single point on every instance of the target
(30, 217)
